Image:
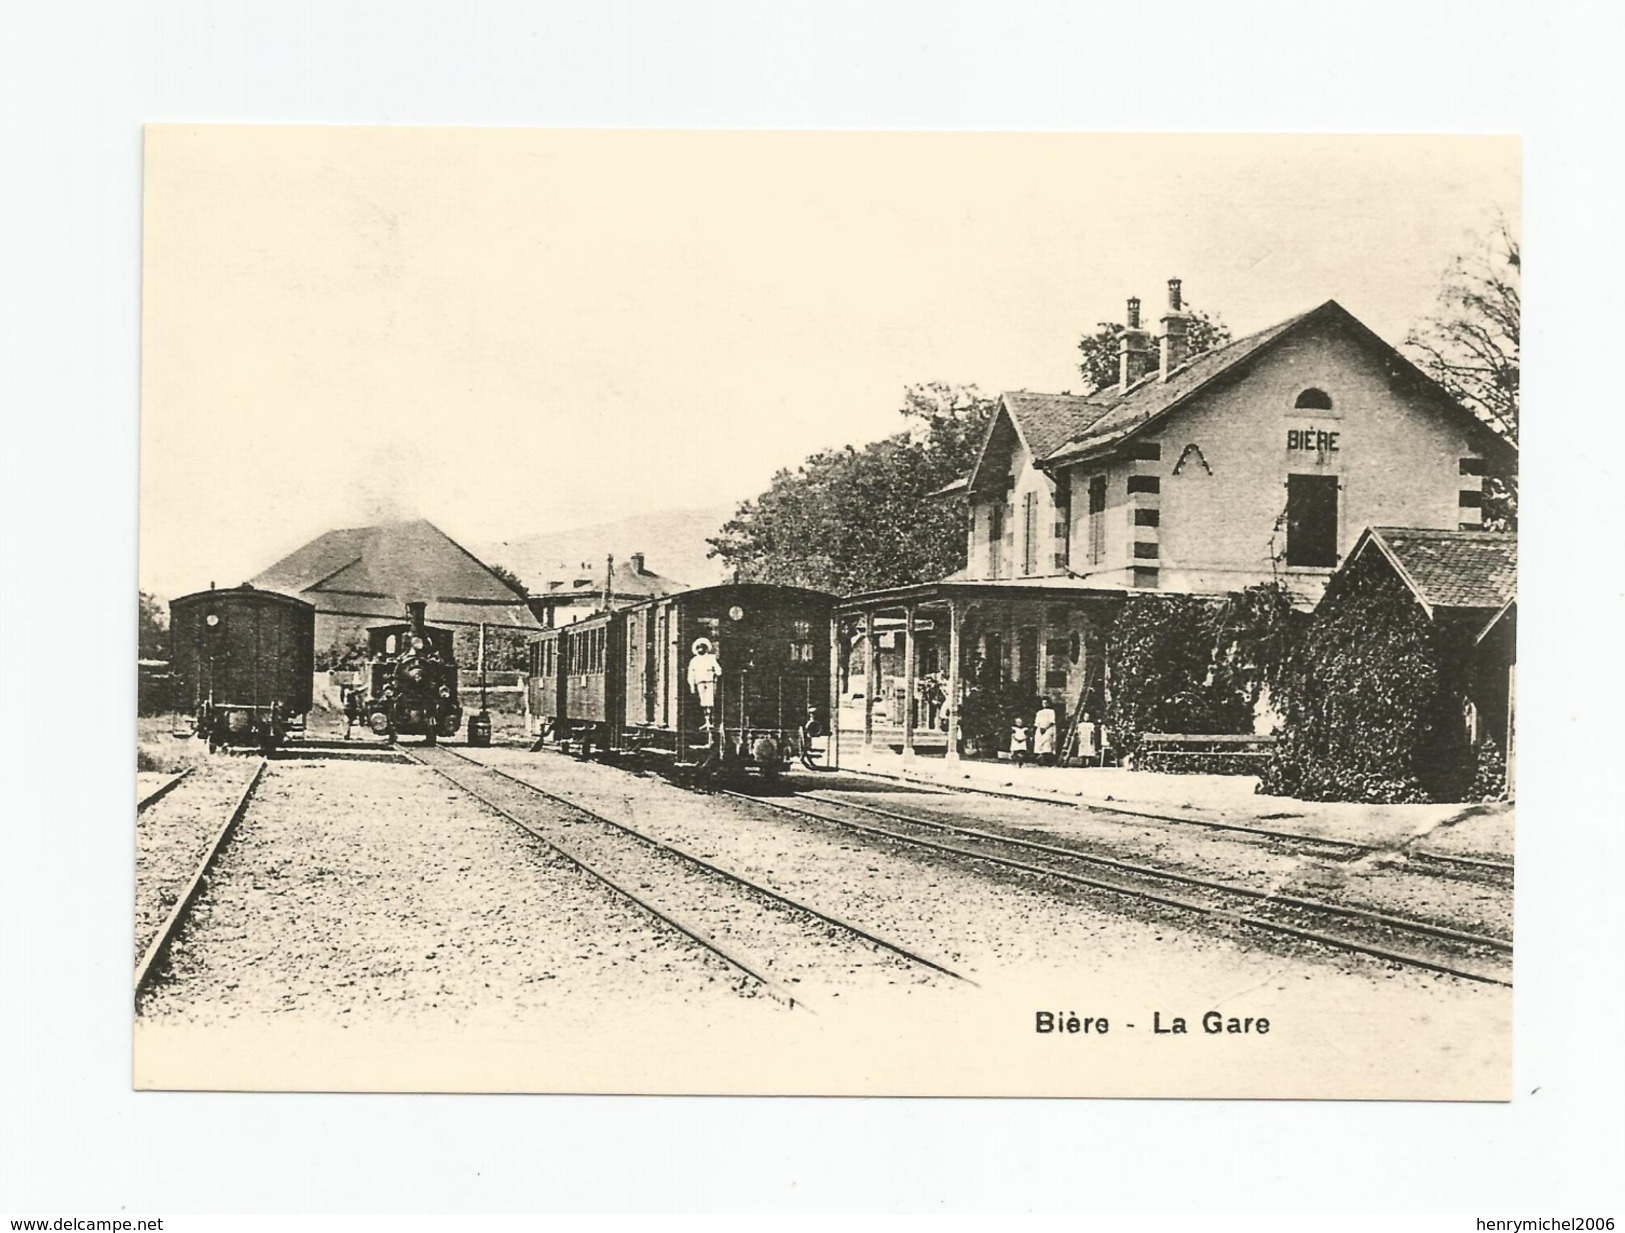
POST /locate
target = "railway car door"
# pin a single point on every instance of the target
(650, 672)
(663, 649)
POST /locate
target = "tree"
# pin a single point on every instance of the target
(857, 519)
(347, 651)
(152, 628)
(512, 579)
(1470, 346)
(1099, 365)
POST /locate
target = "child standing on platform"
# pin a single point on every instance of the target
(1018, 743)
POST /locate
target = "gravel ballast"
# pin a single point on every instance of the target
(366, 890)
(172, 834)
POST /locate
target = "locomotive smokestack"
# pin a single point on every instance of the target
(414, 614)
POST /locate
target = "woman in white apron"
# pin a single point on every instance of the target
(1044, 734)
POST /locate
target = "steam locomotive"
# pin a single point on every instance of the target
(410, 685)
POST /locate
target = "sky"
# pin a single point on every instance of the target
(513, 332)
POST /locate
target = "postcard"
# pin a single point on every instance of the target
(914, 614)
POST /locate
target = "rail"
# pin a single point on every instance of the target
(1381, 920)
(158, 949)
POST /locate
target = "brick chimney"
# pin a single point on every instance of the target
(1175, 344)
(637, 563)
(1134, 348)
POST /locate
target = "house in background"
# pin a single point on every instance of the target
(564, 600)
(1260, 461)
(360, 577)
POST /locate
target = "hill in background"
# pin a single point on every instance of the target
(672, 543)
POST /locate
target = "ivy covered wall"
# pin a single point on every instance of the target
(1196, 665)
(1373, 699)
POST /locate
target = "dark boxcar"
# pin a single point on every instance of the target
(243, 660)
(625, 681)
(771, 645)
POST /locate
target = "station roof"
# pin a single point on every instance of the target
(1058, 428)
(957, 586)
(1471, 571)
(375, 571)
(1121, 413)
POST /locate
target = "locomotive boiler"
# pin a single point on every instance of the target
(243, 660)
(410, 688)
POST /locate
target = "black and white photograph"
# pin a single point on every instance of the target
(754, 613)
(899, 614)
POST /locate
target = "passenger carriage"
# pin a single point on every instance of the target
(621, 681)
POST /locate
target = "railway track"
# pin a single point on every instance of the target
(1363, 931)
(161, 791)
(152, 960)
(704, 919)
(1352, 849)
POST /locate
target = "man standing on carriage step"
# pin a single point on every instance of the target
(704, 670)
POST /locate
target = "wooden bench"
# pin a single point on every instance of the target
(1203, 753)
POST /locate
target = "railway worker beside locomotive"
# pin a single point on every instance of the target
(355, 707)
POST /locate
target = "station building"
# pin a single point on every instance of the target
(1260, 461)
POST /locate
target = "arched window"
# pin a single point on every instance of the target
(1314, 400)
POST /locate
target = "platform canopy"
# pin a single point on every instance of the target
(1047, 631)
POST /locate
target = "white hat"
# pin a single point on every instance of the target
(702, 646)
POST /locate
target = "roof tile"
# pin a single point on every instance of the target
(1456, 569)
(377, 570)
(1118, 413)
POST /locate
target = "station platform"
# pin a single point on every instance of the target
(1483, 831)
